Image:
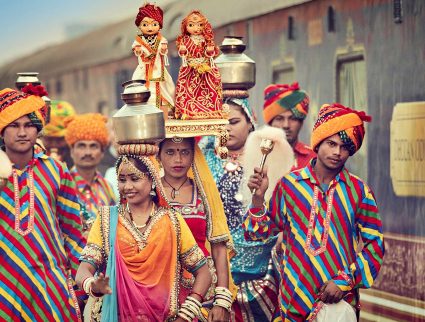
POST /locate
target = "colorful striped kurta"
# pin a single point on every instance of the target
(34, 266)
(332, 251)
(92, 196)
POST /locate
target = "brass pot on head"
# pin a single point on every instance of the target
(237, 69)
(26, 78)
(137, 121)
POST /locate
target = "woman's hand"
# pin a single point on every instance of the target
(101, 285)
(218, 314)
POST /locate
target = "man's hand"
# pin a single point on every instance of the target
(101, 285)
(218, 314)
(260, 182)
(330, 293)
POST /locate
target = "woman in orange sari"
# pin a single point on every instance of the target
(135, 253)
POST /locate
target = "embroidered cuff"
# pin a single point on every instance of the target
(193, 259)
(344, 281)
(257, 214)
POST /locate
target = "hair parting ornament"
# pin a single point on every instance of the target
(137, 172)
(177, 139)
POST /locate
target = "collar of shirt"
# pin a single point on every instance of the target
(82, 184)
(307, 173)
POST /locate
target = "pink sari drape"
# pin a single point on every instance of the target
(144, 277)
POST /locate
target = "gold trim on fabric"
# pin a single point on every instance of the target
(95, 253)
(191, 258)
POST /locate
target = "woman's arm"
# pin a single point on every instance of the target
(221, 262)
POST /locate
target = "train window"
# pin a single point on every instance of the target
(283, 74)
(351, 91)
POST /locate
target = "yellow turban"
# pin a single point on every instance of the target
(59, 111)
(15, 104)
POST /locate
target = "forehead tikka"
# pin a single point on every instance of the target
(137, 172)
(177, 139)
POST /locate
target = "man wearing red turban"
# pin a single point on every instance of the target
(285, 107)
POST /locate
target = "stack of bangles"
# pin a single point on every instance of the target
(190, 309)
(87, 286)
(223, 298)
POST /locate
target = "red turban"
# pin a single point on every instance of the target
(344, 121)
(151, 11)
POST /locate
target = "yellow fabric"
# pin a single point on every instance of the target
(59, 111)
(219, 230)
(19, 108)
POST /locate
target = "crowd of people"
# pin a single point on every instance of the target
(179, 242)
(170, 231)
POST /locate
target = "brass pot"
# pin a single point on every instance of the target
(137, 121)
(237, 69)
(26, 78)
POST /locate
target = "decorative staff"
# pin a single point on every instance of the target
(275, 149)
(266, 146)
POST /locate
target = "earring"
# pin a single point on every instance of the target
(153, 192)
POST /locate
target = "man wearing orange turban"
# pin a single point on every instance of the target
(324, 213)
(88, 137)
(40, 226)
(285, 107)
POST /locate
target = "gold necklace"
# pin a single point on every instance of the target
(147, 221)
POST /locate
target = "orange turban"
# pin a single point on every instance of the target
(15, 104)
(344, 121)
(86, 127)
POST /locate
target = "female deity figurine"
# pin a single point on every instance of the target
(198, 89)
(151, 49)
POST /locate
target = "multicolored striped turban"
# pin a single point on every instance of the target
(59, 111)
(151, 11)
(15, 104)
(86, 127)
(344, 121)
(281, 97)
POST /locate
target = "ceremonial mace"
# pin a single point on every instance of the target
(266, 147)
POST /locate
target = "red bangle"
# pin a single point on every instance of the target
(200, 296)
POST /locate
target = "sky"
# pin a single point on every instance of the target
(29, 25)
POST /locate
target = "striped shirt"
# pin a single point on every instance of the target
(92, 196)
(320, 241)
(36, 254)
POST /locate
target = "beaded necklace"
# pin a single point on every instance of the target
(232, 164)
(313, 213)
(30, 227)
(147, 221)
